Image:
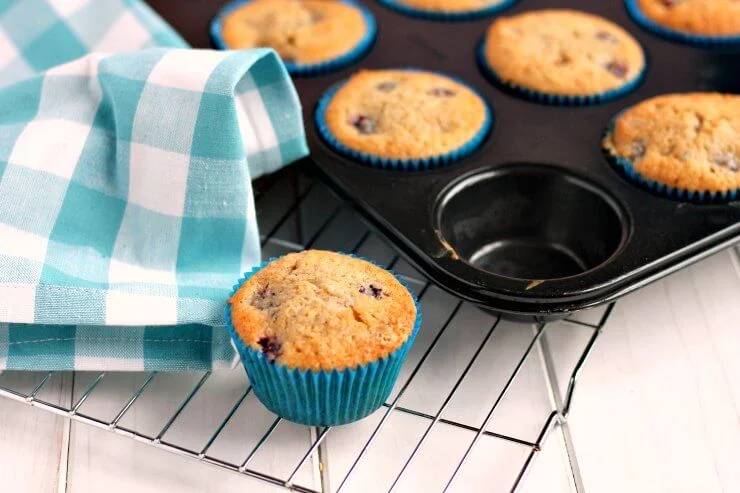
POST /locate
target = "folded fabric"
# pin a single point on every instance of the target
(126, 208)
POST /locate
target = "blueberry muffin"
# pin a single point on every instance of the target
(563, 53)
(322, 335)
(448, 7)
(698, 17)
(319, 310)
(686, 142)
(303, 32)
(403, 116)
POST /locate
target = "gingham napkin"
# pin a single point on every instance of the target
(126, 208)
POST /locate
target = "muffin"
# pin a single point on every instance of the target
(322, 335)
(311, 36)
(694, 21)
(562, 56)
(448, 9)
(405, 119)
(682, 145)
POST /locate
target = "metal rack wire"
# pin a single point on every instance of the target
(295, 212)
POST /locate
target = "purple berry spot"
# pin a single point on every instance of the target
(371, 290)
(377, 292)
(265, 292)
(606, 36)
(729, 161)
(442, 92)
(619, 69)
(364, 124)
(386, 86)
(638, 150)
(271, 346)
(316, 17)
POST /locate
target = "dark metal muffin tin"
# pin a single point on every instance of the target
(538, 203)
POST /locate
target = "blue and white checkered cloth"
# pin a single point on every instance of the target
(126, 207)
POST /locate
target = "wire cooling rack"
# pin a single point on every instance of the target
(474, 404)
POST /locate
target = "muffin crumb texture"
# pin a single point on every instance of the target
(702, 17)
(319, 310)
(451, 6)
(404, 114)
(301, 31)
(687, 141)
(563, 52)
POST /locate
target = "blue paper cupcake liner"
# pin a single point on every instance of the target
(556, 99)
(304, 69)
(321, 398)
(696, 40)
(401, 164)
(436, 15)
(625, 167)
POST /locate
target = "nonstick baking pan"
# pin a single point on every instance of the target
(536, 223)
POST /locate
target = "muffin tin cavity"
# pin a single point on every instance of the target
(530, 222)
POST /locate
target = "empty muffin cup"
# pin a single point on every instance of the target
(530, 222)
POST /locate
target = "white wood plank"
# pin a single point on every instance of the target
(657, 407)
(524, 409)
(492, 465)
(208, 409)
(102, 461)
(566, 341)
(192, 429)
(447, 361)
(551, 470)
(437, 307)
(110, 394)
(32, 441)
(150, 412)
(384, 457)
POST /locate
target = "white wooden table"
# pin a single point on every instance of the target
(657, 409)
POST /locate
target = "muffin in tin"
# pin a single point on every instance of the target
(685, 146)
(702, 22)
(562, 56)
(448, 9)
(322, 335)
(407, 119)
(311, 36)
